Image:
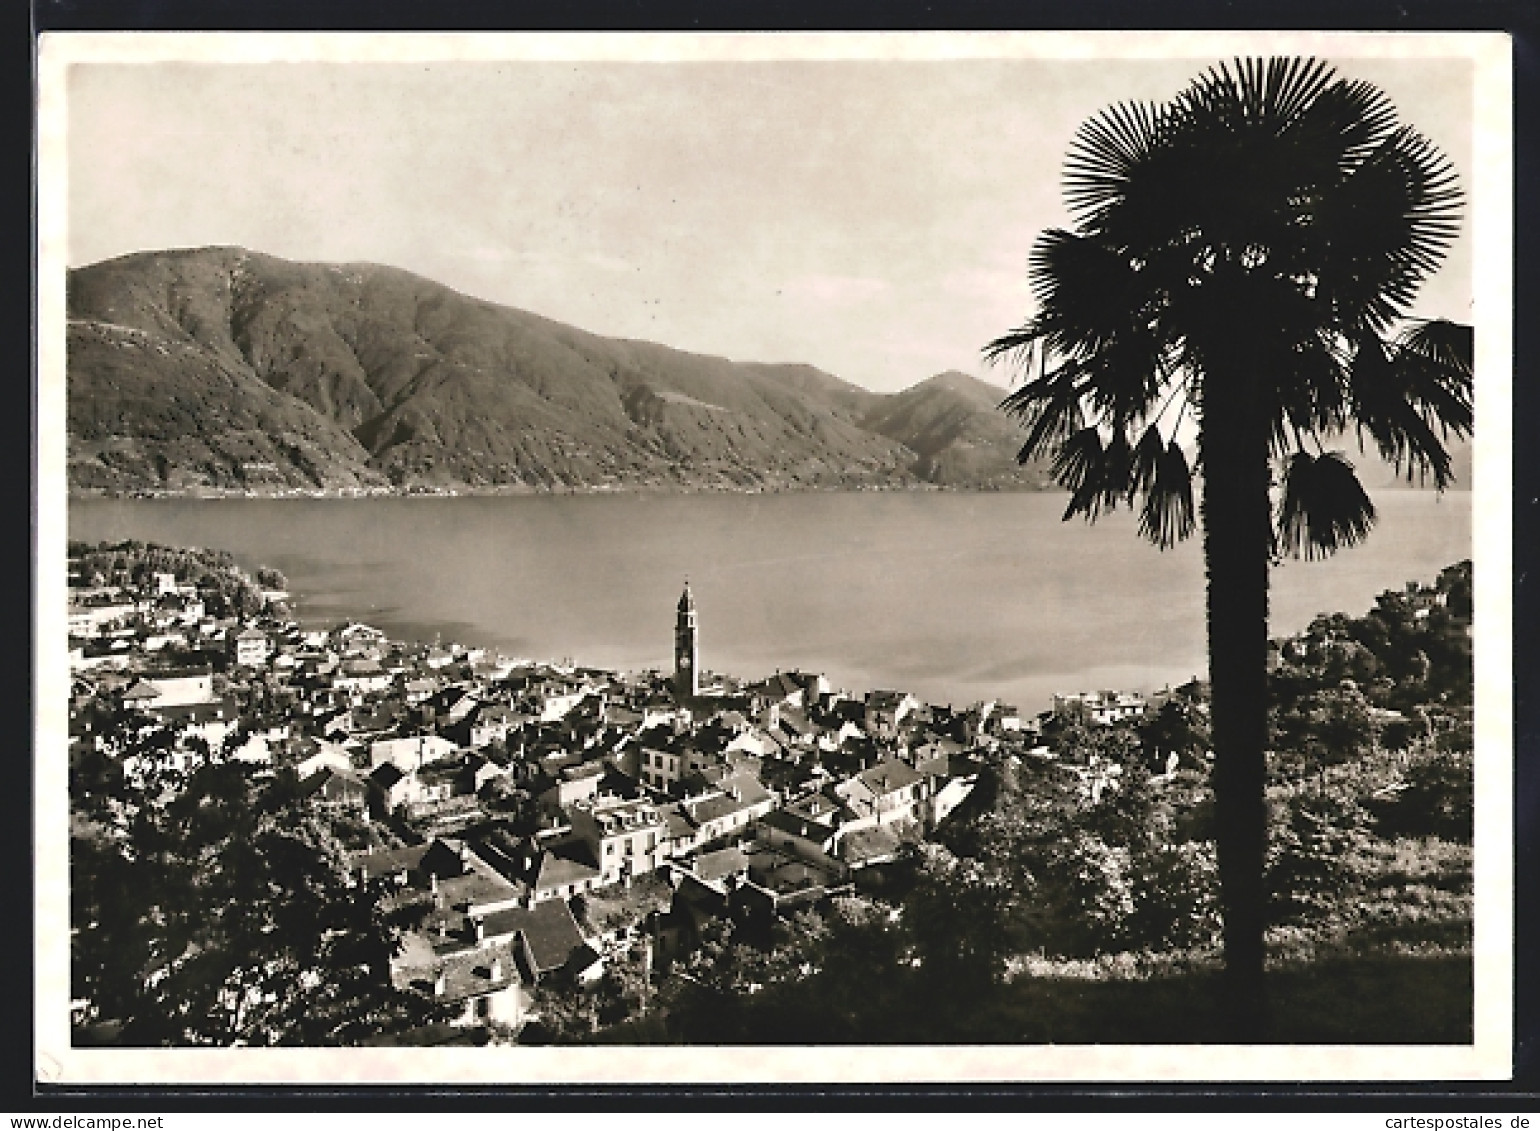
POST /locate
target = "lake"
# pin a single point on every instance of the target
(955, 597)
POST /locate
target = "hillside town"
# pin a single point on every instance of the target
(502, 794)
(522, 836)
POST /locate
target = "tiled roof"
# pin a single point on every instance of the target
(716, 807)
(467, 973)
(325, 775)
(818, 807)
(806, 827)
(557, 869)
(549, 929)
(795, 722)
(479, 886)
(723, 862)
(948, 766)
(872, 844)
(678, 822)
(390, 859)
(785, 876)
(619, 784)
(890, 775)
(197, 712)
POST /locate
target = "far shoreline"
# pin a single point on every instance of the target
(525, 491)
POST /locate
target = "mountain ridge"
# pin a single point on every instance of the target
(226, 369)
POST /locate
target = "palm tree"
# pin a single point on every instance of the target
(1243, 258)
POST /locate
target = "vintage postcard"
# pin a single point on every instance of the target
(847, 558)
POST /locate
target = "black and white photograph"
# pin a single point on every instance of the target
(828, 557)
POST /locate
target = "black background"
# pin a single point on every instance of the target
(1519, 18)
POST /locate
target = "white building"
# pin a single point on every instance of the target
(1100, 708)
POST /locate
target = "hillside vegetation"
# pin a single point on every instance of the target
(226, 369)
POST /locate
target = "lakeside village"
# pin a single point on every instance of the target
(532, 826)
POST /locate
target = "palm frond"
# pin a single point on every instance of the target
(1450, 344)
(1268, 93)
(1308, 391)
(1096, 473)
(1345, 120)
(1390, 221)
(1106, 151)
(1433, 362)
(1077, 463)
(1050, 408)
(1408, 404)
(1167, 515)
(1323, 507)
(1018, 347)
(1145, 464)
(1270, 224)
(1117, 467)
(1089, 295)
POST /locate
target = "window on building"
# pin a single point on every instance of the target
(609, 849)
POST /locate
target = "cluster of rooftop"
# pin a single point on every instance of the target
(508, 799)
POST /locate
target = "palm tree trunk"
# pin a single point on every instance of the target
(1237, 533)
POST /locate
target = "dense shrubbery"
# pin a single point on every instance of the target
(1307, 863)
(1411, 651)
(212, 909)
(1119, 874)
(1438, 800)
(223, 586)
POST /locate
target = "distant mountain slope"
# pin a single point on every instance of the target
(953, 423)
(227, 368)
(147, 410)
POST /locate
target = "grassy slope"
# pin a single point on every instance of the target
(1369, 999)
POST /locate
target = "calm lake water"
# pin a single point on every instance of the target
(955, 597)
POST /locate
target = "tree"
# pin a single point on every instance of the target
(270, 578)
(957, 914)
(220, 912)
(1179, 728)
(1245, 254)
(564, 1012)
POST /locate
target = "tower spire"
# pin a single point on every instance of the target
(686, 646)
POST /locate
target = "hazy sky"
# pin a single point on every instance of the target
(872, 218)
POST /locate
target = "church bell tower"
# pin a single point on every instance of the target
(686, 648)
